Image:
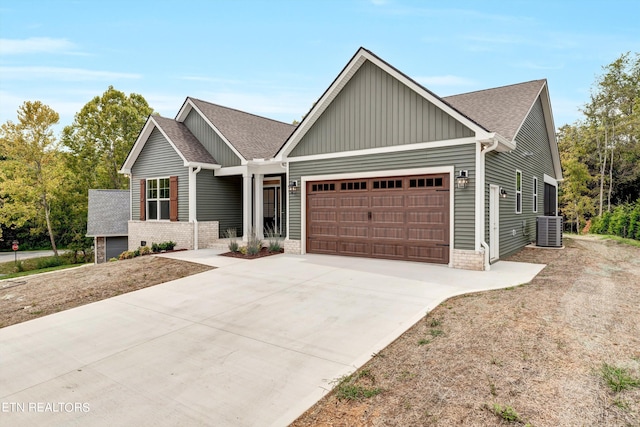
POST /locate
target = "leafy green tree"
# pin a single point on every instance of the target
(31, 174)
(102, 135)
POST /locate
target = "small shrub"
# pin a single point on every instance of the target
(136, 253)
(126, 255)
(164, 246)
(232, 235)
(144, 250)
(273, 240)
(113, 259)
(48, 262)
(254, 244)
(243, 250)
(155, 248)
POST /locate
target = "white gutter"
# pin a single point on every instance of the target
(193, 203)
(480, 190)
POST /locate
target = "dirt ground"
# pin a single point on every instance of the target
(535, 350)
(25, 298)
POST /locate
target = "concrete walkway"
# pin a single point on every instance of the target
(251, 343)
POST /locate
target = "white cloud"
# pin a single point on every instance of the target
(36, 45)
(61, 73)
(446, 80)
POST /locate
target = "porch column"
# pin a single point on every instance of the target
(258, 213)
(246, 205)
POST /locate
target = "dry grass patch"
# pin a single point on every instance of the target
(532, 354)
(26, 298)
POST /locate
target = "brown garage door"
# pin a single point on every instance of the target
(404, 217)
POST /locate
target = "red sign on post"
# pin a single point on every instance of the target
(14, 247)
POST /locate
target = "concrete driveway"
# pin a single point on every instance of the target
(252, 343)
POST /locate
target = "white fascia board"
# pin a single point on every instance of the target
(208, 166)
(346, 75)
(550, 180)
(551, 132)
(231, 170)
(138, 146)
(184, 111)
(384, 150)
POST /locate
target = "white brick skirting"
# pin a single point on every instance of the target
(179, 232)
(292, 246)
(468, 259)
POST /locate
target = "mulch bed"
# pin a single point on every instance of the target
(263, 253)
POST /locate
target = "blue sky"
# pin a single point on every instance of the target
(276, 58)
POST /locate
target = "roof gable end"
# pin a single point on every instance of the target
(361, 56)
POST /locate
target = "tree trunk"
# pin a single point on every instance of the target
(603, 167)
(613, 135)
(47, 215)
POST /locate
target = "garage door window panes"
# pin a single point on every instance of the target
(350, 186)
(158, 199)
(425, 182)
(387, 184)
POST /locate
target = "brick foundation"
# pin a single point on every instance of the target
(292, 246)
(468, 260)
(179, 232)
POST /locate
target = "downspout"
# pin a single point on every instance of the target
(193, 204)
(481, 197)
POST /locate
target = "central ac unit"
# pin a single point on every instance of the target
(549, 231)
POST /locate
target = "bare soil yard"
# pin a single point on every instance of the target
(533, 354)
(25, 298)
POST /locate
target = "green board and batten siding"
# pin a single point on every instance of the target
(220, 199)
(158, 159)
(501, 170)
(459, 156)
(374, 109)
(211, 140)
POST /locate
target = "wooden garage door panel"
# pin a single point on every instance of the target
(387, 201)
(395, 218)
(354, 216)
(354, 248)
(323, 216)
(354, 201)
(434, 200)
(348, 232)
(323, 246)
(427, 217)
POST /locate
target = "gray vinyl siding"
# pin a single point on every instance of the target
(211, 140)
(159, 160)
(461, 157)
(501, 170)
(374, 109)
(220, 199)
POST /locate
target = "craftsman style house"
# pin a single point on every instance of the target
(379, 167)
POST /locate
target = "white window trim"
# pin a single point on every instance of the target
(535, 194)
(158, 199)
(518, 192)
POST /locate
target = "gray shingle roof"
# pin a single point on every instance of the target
(253, 136)
(108, 213)
(184, 140)
(501, 109)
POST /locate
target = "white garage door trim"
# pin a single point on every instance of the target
(375, 174)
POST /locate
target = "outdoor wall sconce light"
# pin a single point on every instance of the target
(503, 193)
(463, 178)
(293, 187)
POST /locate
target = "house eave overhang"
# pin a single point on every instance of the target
(206, 166)
(344, 77)
(503, 143)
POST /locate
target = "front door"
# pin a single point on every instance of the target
(494, 222)
(270, 210)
